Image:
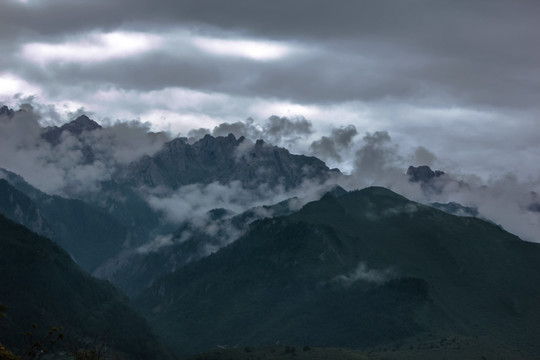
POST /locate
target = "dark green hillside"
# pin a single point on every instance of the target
(18, 207)
(282, 352)
(455, 348)
(40, 284)
(364, 270)
(87, 233)
(136, 271)
(485, 278)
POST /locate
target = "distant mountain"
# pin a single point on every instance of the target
(432, 181)
(6, 111)
(360, 270)
(90, 235)
(18, 207)
(135, 270)
(423, 174)
(224, 159)
(76, 127)
(41, 285)
(83, 123)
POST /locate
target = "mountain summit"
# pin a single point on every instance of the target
(6, 111)
(224, 159)
(422, 174)
(76, 127)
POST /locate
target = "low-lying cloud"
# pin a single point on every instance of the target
(376, 159)
(77, 163)
(329, 147)
(363, 273)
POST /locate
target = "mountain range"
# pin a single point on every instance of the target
(364, 269)
(235, 242)
(43, 289)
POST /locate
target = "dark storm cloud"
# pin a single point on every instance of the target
(276, 130)
(330, 146)
(423, 156)
(483, 53)
(316, 19)
(277, 126)
(378, 158)
(457, 77)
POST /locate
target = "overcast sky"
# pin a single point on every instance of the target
(460, 78)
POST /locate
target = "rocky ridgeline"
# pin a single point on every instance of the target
(224, 159)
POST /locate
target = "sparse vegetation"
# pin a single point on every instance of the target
(48, 289)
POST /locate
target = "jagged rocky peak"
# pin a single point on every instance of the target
(18, 207)
(5, 111)
(80, 124)
(223, 159)
(76, 127)
(422, 173)
(229, 139)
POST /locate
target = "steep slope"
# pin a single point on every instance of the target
(20, 208)
(41, 285)
(364, 269)
(224, 159)
(135, 270)
(89, 235)
(77, 127)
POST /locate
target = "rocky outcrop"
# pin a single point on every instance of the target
(5, 111)
(83, 123)
(422, 174)
(224, 159)
(431, 182)
(18, 207)
(76, 127)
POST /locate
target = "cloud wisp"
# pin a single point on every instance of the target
(91, 48)
(78, 162)
(365, 274)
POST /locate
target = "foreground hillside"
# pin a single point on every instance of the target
(366, 269)
(448, 349)
(42, 288)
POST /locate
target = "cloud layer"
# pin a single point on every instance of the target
(370, 87)
(459, 79)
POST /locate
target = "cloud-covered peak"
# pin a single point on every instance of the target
(422, 173)
(6, 111)
(76, 127)
(224, 159)
(80, 124)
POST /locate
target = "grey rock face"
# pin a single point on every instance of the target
(422, 174)
(18, 207)
(5, 111)
(431, 182)
(224, 159)
(76, 127)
